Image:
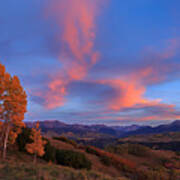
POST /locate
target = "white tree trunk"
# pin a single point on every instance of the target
(35, 158)
(6, 141)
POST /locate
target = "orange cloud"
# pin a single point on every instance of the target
(128, 93)
(76, 20)
(55, 97)
(130, 89)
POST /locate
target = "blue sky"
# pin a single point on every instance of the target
(112, 62)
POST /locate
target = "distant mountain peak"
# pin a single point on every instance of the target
(176, 122)
(115, 131)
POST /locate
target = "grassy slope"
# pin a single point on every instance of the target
(96, 164)
(19, 166)
(158, 164)
(27, 171)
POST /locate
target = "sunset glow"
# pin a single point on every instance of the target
(94, 61)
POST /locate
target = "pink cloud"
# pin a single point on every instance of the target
(130, 88)
(76, 20)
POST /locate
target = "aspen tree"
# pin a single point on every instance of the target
(13, 102)
(37, 147)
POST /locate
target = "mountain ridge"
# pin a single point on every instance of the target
(114, 131)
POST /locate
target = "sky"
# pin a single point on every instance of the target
(113, 62)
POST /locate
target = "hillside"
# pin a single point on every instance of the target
(159, 137)
(97, 165)
(160, 141)
(20, 170)
(121, 162)
(19, 166)
(138, 162)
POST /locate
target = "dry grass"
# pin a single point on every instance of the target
(27, 171)
(96, 163)
(156, 166)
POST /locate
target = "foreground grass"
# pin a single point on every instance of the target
(24, 171)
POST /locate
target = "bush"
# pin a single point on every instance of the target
(64, 139)
(118, 162)
(91, 150)
(24, 138)
(105, 160)
(117, 149)
(50, 152)
(138, 150)
(162, 160)
(73, 159)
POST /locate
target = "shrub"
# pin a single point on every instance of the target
(50, 152)
(117, 161)
(138, 150)
(117, 149)
(105, 160)
(92, 150)
(81, 146)
(163, 160)
(73, 159)
(64, 139)
(24, 138)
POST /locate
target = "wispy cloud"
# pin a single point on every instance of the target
(77, 32)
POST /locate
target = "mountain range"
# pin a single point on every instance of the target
(79, 130)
